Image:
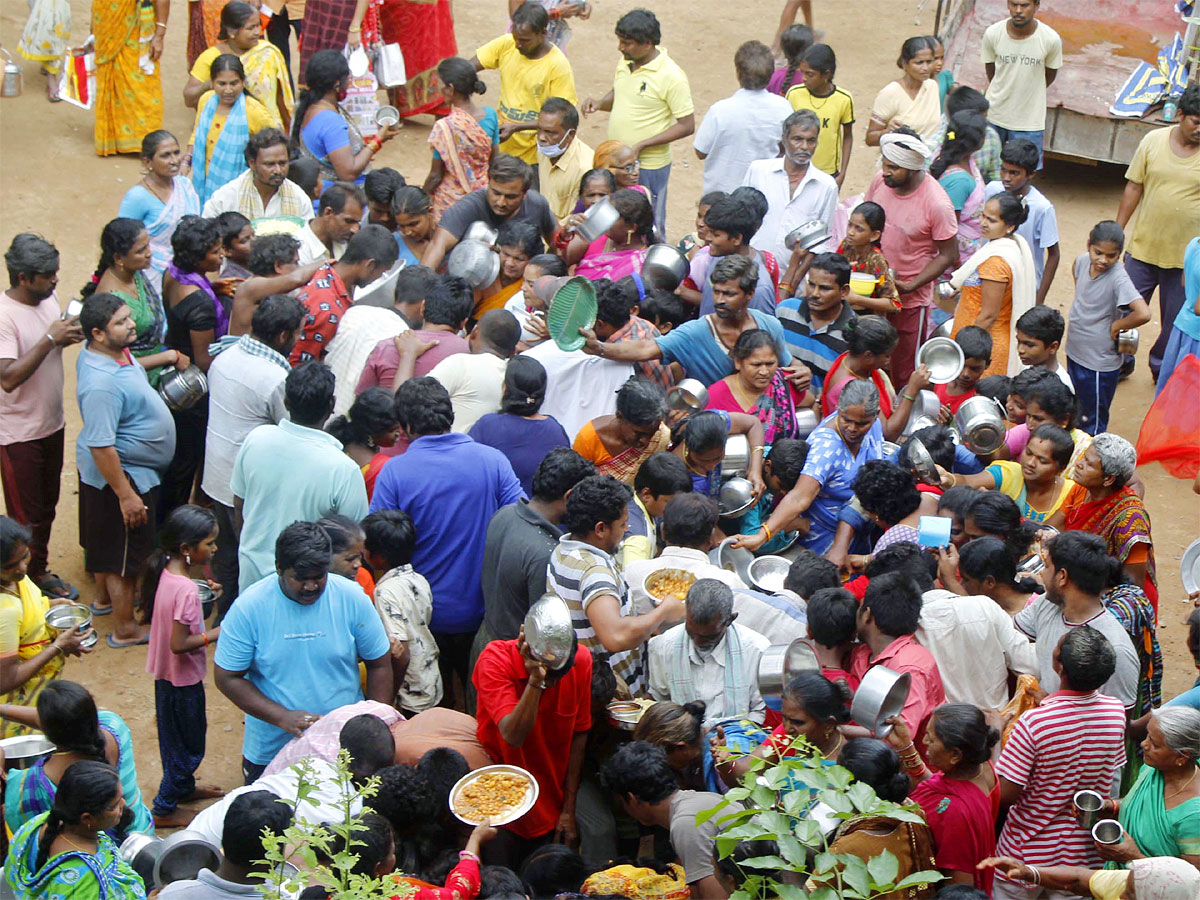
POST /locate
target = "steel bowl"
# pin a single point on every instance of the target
(624, 715)
(943, 330)
(1108, 831)
(919, 422)
(809, 235)
(183, 390)
(481, 231)
(652, 578)
(475, 261)
(141, 851)
(881, 694)
(207, 596)
(732, 559)
(387, 116)
(74, 308)
(1189, 567)
(921, 462)
(806, 422)
(597, 219)
(1127, 342)
(737, 455)
(23, 751)
(737, 496)
(182, 857)
(943, 357)
(768, 573)
(945, 293)
(980, 421)
(665, 266)
(690, 395)
(549, 631)
(889, 450)
(926, 406)
(779, 663)
(66, 616)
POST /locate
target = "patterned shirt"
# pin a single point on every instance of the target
(405, 604)
(579, 573)
(638, 329)
(325, 300)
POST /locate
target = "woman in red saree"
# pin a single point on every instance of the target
(424, 29)
(1103, 503)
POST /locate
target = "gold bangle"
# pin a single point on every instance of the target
(767, 530)
(162, 25)
(758, 449)
(354, 30)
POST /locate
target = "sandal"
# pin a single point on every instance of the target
(100, 610)
(53, 586)
(121, 645)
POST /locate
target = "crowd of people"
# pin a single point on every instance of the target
(389, 469)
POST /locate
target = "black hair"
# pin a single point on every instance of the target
(185, 526)
(738, 269)
(558, 472)
(560, 106)
(997, 514)
(1021, 153)
(70, 721)
(248, 816)
(809, 572)
(639, 25)
(423, 407)
(193, 238)
(12, 535)
(820, 697)
(1055, 398)
(870, 334)
(505, 167)
(641, 401)
(835, 264)
(390, 533)
(988, 557)
(532, 14)
(373, 413)
(326, 69)
(369, 743)
(549, 264)
(524, 386)
(234, 16)
(343, 531)
(338, 193)
(1044, 323)
(1087, 657)
(710, 198)
(229, 62)
(604, 175)
(522, 235)
(886, 490)
(962, 97)
(1107, 232)
(495, 881)
(908, 559)
(598, 498)
(937, 440)
(787, 456)
(875, 217)
(86, 786)
(963, 727)
(229, 225)
(635, 208)
(641, 769)
(554, 869)
(412, 284)
(98, 310)
(117, 239)
(689, 519)
(874, 763)
(976, 343)
(448, 301)
(822, 58)
(272, 250)
(894, 600)
(305, 173)
(500, 331)
(274, 315)
(662, 308)
(604, 680)
(442, 767)
(910, 48)
(372, 242)
(832, 616)
(1023, 381)
(702, 431)
(407, 800)
(380, 185)
(734, 217)
(459, 74)
(1062, 445)
(959, 891)
(155, 139)
(30, 255)
(1083, 556)
(662, 474)
(270, 137)
(957, 500)
(308, 393)
(795, 42)
(410, 200)
(964, 136)
(754, 64)
(998, 387)
(1189, 101)
(1012, 209)
(303, 547)
(750, 340)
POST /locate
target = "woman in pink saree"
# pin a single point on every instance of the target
(622, 250)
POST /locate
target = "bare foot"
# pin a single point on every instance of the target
(205, 792)
(180, 818)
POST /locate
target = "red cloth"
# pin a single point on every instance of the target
(1171, 430)
(947, 399)
(325, 300)
(425, 32)
(858, 586)
(371, 472)
(925, 694)
(462, 883)
(564, 710)
(962, 819)
(833, 391)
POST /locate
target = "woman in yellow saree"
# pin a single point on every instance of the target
(129, 41)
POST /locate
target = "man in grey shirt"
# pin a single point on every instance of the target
(245, 390)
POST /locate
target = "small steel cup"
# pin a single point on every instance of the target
(1108, 831)
(1087, 808)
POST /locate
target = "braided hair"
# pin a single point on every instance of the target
(86, 787)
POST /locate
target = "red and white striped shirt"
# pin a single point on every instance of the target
(1072, 742)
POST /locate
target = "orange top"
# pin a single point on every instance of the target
(589, 446)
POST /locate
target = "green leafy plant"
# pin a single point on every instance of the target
(774, 803)
(302, 844)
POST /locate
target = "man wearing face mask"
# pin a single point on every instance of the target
(709, 657)
(291, 645)
(562, 157)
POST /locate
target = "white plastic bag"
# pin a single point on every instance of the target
(390, 68)
(362, 97)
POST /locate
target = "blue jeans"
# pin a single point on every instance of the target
(181, 731)
(655, 181)
(1007, 135)
(1094, 393)
(1146, 278)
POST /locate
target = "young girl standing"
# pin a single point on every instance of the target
(170, 601)
(864, 231)
(833, 106)
(795, 41)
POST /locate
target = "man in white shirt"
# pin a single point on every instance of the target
(579, 387)
(325, 235)
(742, 128)
(709, 657)
(796, 190)
(263, 190)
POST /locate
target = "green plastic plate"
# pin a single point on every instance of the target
(573, 307)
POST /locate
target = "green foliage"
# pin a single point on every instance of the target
(302, 843)
(778, 796)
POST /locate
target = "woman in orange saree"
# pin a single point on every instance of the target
(129, 40)
(424, 29)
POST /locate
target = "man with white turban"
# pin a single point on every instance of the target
(918, 239)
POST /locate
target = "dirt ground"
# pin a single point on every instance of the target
(52, 182)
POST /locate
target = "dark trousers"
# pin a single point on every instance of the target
(1094, 392)
(225, 562)
(1169, 283)
(181, 730)
(191, 425)
(278, 31)
(251, 772)
(454, 657)
(30, 473)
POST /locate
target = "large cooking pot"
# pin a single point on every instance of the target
(778, 664)
(737, 455)
(980, 421)
(483, 232)
(598, 218)
(141, 852)
(665, 267)
(23, 751)
(182, 390)
(475, 261)
(806, 422)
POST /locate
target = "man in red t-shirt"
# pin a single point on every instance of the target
(537, 718)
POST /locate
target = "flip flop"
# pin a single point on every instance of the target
(99, 610)
(121, 646)
(52, 585)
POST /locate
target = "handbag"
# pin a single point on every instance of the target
(77, 83)
(362, 97)
(390, 68)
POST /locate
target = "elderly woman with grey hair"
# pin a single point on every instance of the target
(1103, 503)
(837, 450)
(618, 444)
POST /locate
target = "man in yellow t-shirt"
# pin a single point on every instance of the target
(531, 70)
(650, 102)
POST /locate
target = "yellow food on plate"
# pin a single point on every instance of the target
(671, 582)
(491, 796)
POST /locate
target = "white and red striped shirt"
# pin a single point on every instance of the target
(1072, 742)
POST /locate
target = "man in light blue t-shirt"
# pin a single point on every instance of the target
(290, 647)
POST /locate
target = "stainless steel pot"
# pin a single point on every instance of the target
(881, 695)
(483, 232)
(767, 573)
(779, 663)
(735, 560)
(920, 461)
(943, 330)
(1127, 342)
(926, 406)
(598, 218)
(737, 455)
(943, 357)
(737, 496)
(980, 421)
(72, 615)
(141, 852)
(665, 267)
(690, 395)
(808, 235)
(806, 422)
(475, 261)
(549, 631)
(23, 751)
(182, 390)
(182, 857)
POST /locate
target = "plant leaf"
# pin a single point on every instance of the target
(926, 877)
(854, 873)
(883, 869)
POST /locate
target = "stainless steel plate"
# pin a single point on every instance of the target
(531, 793)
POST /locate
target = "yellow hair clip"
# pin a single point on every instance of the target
(949, 135)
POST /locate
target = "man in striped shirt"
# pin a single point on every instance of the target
(584, 573)
(1074, 741)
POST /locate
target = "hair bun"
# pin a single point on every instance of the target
(480, 87)
(697, 708)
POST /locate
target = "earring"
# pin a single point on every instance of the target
(187, 558)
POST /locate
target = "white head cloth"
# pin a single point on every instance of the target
(904, 150)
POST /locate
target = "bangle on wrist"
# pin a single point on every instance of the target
(48, 336)
(767, 530)
(204, 634)
(758, 449)
(354, 30)
(467, 854)
(162, 25)
(908, 398)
